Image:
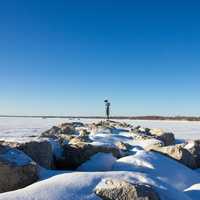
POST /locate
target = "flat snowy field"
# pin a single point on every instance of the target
(25, 127)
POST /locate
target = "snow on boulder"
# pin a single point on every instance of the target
(55, 131)
(178, 153)
(147, 143)
(77, 153)
(17, 170)
(98, 162)
(81, 185)
(159, 166)
(39, 150)
(112, 189)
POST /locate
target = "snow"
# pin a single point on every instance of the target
(98, 162)
(172, 180)
(81, 185)
(160, 167)
(16, 156)
(194, 191)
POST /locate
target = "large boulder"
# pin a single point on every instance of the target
(167, 138)
(121, 190)
(39, 150)
(74, 154)
(177, 152)
(17, 170)
(56, 131)
(194, 148)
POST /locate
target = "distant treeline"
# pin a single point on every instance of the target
(151, 117)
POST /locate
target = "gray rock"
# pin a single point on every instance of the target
(167, 138)
(56, 131)
(122, 190)
(40, 151)
(194, 148)
(17, 170)
(178, 153)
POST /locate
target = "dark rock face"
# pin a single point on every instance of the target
(40, 151)
(122, 190)
(16, 169)
(77, 153)
(194, 148)
(167, 138)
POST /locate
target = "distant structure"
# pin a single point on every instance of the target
(107, 105)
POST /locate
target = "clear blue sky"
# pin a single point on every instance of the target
(66, 57)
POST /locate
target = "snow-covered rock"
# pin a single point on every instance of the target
(39, 150)
(55, 131)
(77, 153)
(17, 170)
(160, 167)
(178, 153)
(81, 185)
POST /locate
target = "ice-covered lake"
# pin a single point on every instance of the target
(26, 127)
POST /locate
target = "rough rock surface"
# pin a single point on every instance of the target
(40, 151)
(122, 190)
(77, 153)
(56, 131)
(16, 169)
(79, 139)
(167, 138)
(194, 148)
(123, 146)
(83, 132)
(178, 153)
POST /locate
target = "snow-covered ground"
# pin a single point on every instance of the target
(25, 127)
(170, 179)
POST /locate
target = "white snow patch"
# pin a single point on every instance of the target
(81, 185)
(98, 162)
(16, 156)
(160, 167)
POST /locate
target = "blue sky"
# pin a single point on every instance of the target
(66, 57)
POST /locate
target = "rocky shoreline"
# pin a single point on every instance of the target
(70, 146)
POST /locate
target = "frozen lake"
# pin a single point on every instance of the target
(25, 127)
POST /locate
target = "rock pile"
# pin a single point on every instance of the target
(19, 161)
